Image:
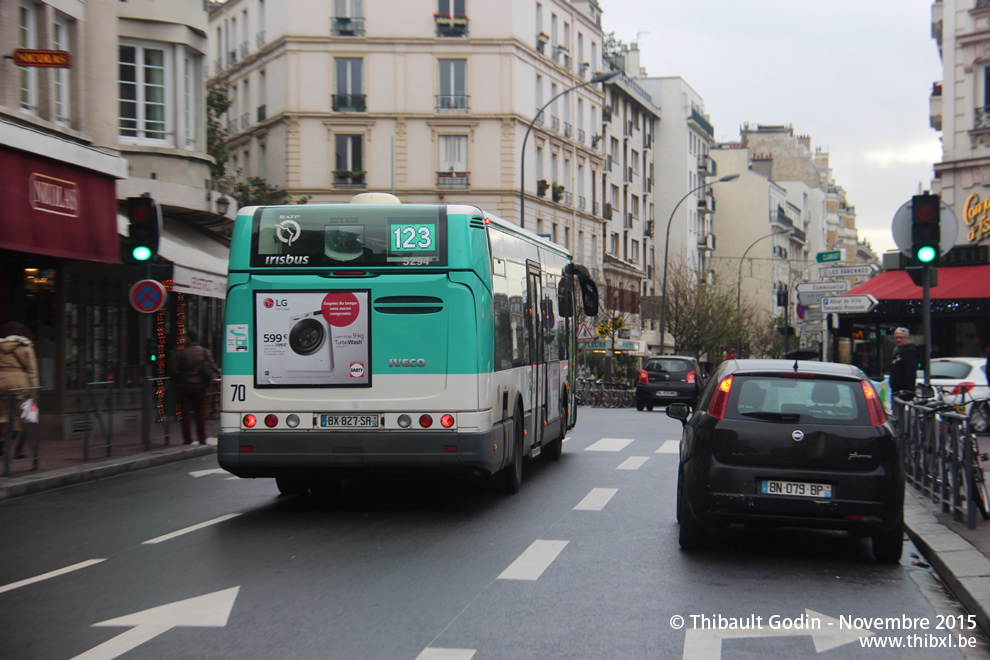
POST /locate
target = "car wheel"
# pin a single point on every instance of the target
(512, 474)
(979, 421)
(639, 406)
(678, 507)
(692, 532)
(291, 485)
(649, 408)
(888, 546)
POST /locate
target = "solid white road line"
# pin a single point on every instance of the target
(610, 444)
(633, 463)
(533, 561)
(201, 525)
(670, 447)
(596, 499)
(446, 654)
(51, 574)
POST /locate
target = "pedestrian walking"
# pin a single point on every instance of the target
(194, 371)
(904, 366)
(18, 369)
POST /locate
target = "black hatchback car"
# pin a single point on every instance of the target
(668, 379)
(793, 444)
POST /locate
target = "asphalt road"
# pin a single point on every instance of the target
(184, 561)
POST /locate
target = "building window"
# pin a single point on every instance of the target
(142, 90)
(349, 163)
(634, 252)
(452, 88)
(262, 160)
(189, 84)
(349, 96)
(452, 168)
(613, 247)
(348, 18)
(60, 41)
(451, 7)
(28, 38)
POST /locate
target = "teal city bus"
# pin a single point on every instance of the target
(379, 337)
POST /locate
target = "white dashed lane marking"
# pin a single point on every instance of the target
(633, 463)
(670, 447)
(610, 444)
(446, 654)
(596, 499)
(50, 574)
(533, 561)
(192, 528)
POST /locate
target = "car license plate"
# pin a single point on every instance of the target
(348, 421)
(795, 488)
(666, 393)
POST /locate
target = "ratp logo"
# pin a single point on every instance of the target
(357, 369)
(287, 231)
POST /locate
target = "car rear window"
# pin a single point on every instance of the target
(670, 366)
(950, 369)
(805, 400)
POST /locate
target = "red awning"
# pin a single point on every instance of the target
(56, 208)
(954, 283)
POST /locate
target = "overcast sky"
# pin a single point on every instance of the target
(853, 75)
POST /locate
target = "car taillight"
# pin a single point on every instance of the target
(716, 408)
(691, 378)
(962, 388)
(643, 376)
(877, 414)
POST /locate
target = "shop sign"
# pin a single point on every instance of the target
(46, 59)
(52, 195)
(976, 215)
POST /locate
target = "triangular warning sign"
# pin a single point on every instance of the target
(584, 334)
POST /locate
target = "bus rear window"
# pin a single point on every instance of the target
(330, 235)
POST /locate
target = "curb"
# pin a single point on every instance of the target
(11, 487)
(963, 568)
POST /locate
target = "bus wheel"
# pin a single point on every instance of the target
(512, 474)
(290, 485)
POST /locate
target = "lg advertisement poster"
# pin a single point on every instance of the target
(312, 338)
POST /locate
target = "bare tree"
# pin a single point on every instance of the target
(701, 313)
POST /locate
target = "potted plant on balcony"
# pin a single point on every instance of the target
(443, 19)
(557, 192)
(595, 139)
(460, 19)
(349, 176)
(543, 37)
(607, 113)
(541, 187)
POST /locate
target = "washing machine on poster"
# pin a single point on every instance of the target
(310, 344)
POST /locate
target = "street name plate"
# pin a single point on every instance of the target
(826, 257)
(823, 287)
(848, 271)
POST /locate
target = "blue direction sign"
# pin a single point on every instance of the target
(147, 296)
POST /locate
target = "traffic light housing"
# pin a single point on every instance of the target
(926, 233)
(145, 227)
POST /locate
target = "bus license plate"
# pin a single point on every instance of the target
(796, 488)
(349, 421)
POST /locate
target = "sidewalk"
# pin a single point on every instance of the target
(959, 554)
(61, 461)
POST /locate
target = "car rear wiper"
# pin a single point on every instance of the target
(773, 416)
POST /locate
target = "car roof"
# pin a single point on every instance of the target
(755, 366)
(673, 357)
(975, 361)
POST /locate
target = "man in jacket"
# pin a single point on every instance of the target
(186, 371)
(904, 366)
(18, 370)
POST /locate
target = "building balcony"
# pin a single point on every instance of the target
(244, 49)
(350, 102)
(262, 113)
(245, 120)
(935, 107)
(555, 123)
(348, 26)
(349, 179)
(453, 180)
(567, 129)
(568, 198)
(582, 203)
(981, 119)
(457, 103)
(580, 135)
(451, 26)
(260, 38)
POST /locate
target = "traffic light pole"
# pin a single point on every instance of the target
(147, 406)
(926, 321)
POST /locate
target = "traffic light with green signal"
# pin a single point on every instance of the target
(145, 227)
(925, 229)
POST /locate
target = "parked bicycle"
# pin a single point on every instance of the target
(976, 486)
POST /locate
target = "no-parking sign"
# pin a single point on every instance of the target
(147, 296)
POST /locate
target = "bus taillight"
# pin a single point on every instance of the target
(271, 421)
(250, 421)
(447, 421)
(425, 421)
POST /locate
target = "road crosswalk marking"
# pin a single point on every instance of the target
(533, 561)
(670, 447)
(446, 654)
(610, 444)
(50, 574)
(596, 499)
(633, 463)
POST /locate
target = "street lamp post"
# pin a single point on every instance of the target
(666, 251)
(597, 78)
(739, 289)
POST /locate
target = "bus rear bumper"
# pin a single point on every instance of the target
(274, 454)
